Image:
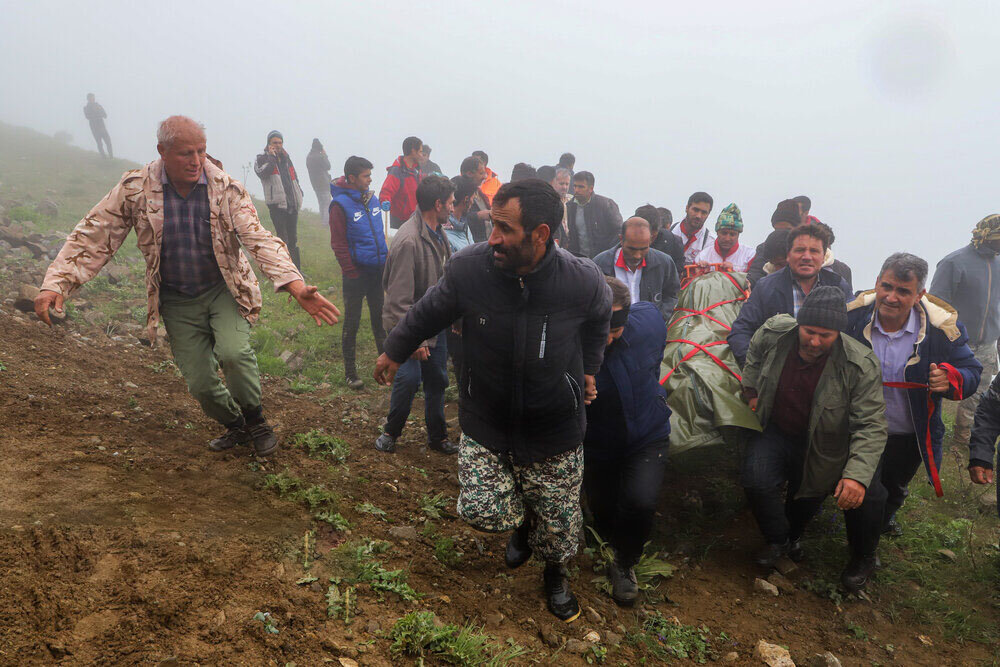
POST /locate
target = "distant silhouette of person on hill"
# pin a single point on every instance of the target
(96, 114)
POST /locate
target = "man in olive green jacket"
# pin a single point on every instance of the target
(818, 395)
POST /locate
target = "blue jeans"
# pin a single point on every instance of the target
(434, 375)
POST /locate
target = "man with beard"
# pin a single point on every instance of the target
(477, 215)
(727, 249)
(535, 321)
(784, 291)
(692, 230)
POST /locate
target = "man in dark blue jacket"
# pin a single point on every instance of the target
(649, 274)
(985, 431)
(628, 432)
(925, 356)
(785, 290)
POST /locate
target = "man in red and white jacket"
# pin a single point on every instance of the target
(726, 248)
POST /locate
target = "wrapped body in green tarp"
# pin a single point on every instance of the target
(704, 394)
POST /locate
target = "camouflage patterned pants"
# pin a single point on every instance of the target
(497, 496)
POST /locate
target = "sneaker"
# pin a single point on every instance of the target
(857, 573)
(561, 601)
(771, 554)
(795, 551)
(518, 551)
(236, 435)
(263, 438)
(892, 528)
(355, 384)
(624, 587)
(386, 443)
(444, 446)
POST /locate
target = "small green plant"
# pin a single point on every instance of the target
(301, 386)
(432, 505)
(856, 630)
(265, 618)
(132, 403)
(319, 445)
(647, 570)
(25, 214)
(416, 635)
(2, 366)
(367, 508)
(667, 638)
(824, 589)
(308, 579)
(596, 655)
(335, 519)
(446, 553)
(164, 366)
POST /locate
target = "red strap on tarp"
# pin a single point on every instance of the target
(931, 464)
(698, 347)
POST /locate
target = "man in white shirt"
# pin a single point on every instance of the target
(726, 249)
(649, 274)
(692, 230)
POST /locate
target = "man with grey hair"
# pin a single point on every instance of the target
(649, 274)
(925, 357)
(191, 219)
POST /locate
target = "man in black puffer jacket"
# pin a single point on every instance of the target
(535, 321)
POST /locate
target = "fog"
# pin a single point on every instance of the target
(884, 115)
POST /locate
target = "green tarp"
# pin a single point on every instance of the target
(705, 398)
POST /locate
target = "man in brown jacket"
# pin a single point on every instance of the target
(190, 219)
(415, 264)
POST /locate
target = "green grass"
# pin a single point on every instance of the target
(418, 636)
(368, 508)
(316, 497)
(433, 505)
(446, 553)
(668, 638)
(356, 563)
(649, 571)
(321, 445)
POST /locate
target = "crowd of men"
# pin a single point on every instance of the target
(553, 311)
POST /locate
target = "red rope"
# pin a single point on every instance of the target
(698, 347)
(931, 463)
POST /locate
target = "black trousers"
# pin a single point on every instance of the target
(773, 460)
(367, 286)
(622, 494)
(286, 225)
(900, 462)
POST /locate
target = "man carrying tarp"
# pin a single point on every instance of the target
(817, 393)
(925, 357)
(727, 250)
(786, 290)
(535, 321)
(692, 230)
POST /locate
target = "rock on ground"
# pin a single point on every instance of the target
(772, 655)
(764, 587)
(824, 660)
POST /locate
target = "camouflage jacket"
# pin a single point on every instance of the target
(137, 203)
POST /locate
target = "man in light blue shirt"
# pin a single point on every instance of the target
(893, 349)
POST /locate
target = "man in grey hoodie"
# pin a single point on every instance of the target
(969, 280)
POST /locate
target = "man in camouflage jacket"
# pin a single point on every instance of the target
(190, 219)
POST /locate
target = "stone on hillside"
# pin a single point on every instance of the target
(948, 554)
(824, 660)
(37, 249)
(988, 502)
(577, 646)
(782, 584)
(116, 273)
(550, 637)
(48, 208)
(732, 656)
(772, 655)
(612, 638)
(25, 301)
(786, 566)
(403, 532)
(593, 616)
(764, 587)
(593, 637)
(12, 235)
(493, 620)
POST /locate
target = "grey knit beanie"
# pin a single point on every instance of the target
(274, 133)
(825, 308)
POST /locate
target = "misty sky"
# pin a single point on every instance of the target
(885, 115)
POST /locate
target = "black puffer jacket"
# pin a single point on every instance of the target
(527, 342)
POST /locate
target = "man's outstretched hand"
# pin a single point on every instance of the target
(311, 301)
(48, 299)
(385, 369)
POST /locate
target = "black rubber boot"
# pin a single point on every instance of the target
(562, 603)
(385, 443)
(771, 554)
(236, 434)
(518, 552)
(624, 587)
(265, 442)
(858, 572)
(795, 551)
(445, 446)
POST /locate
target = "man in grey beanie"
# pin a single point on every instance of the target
(818, 395)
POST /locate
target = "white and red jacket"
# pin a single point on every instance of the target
(739, 256)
